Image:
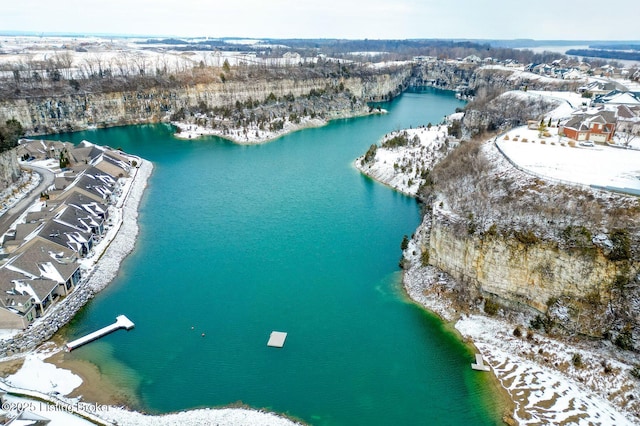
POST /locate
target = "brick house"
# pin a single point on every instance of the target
(599, 127)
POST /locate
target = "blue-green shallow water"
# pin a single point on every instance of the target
(237, 241)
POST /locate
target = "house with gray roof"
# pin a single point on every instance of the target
(100, 187)
(94, 208)
(617, 97)
(62, 234)
(17, 309)
(599, 127)
(114, 163)
(33, 279)
(628, 119)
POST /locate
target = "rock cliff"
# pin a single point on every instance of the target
(9, 168)
(41, 115)
(566, 257)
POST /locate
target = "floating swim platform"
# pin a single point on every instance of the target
(276, 339)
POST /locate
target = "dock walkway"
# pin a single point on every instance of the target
(479, 365)
(121, 322)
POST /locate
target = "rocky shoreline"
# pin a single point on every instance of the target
(122, 240)
(540, 374)
(254, 135)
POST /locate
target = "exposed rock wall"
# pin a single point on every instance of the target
(506, 111)
(527, 274)
(76, 112)
(9, 168)
(443, 74)
(571, 290)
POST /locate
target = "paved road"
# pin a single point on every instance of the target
(14, 212)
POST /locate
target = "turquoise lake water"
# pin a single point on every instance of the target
(238, 241)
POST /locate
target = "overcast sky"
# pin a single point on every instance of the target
(355, 19)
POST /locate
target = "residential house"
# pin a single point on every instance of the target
(598, 127)
(17, 310)
(598, 87)
(62, 234)
(93, 183)
(628, 119)
(617, 97)
(572, 74)
(86, 203)
(48, 261)
(41, 149)
(113, 163)
(84, 153)
(474, 59)
(32, 280)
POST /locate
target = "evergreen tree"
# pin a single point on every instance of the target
(10, 133)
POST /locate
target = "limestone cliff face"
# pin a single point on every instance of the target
(444, 74)
(574, 290)
(9, 168)
(530, 275)
(76, 112)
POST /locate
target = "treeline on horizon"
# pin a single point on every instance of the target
(385, 49)
(607, 54)
(32, 78)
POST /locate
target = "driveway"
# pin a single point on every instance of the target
(14, 212)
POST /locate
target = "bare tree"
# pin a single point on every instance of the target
(624, 132)
(141, 63)
(65, 63)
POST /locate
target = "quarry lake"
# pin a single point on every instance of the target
(238, 241)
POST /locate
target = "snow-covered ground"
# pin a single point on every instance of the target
(545, 395)
(221, 417)
(553, 157)
(401, 167)
(12, 195)
(574, 99)
(252, 135)
(41, 376)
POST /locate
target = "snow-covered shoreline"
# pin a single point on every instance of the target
(545, 383)
(401, 167)
(538, 373)
(253, 135)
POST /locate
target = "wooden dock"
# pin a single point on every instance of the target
(121, 322)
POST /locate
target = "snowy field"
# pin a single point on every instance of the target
(552, 157)
(575, 100)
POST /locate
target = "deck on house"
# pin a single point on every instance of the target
(121, 322)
